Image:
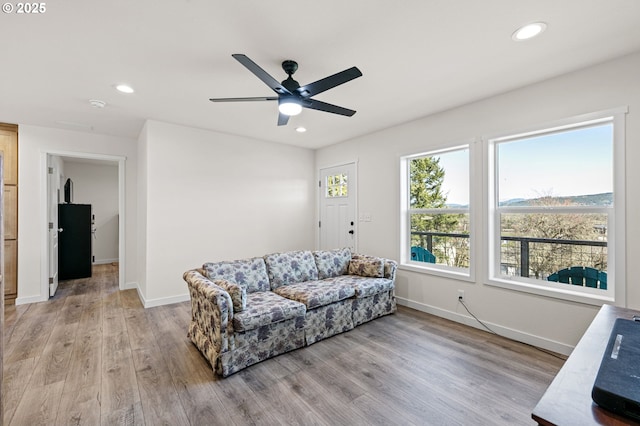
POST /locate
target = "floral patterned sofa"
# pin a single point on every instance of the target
(245, 311)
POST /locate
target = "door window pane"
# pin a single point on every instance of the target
(337, 186)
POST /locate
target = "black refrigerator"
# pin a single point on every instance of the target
(74, 241)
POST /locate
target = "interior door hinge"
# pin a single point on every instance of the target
(50, 280)
(319, 184)
(319, 224)
(50, 170)
(50, 225)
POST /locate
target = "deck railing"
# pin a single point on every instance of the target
(517, 260)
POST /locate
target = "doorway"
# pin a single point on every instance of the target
(338, 201)
(54, 197)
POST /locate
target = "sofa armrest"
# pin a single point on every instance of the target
(211, 312)
(390, 266)
(237, 292)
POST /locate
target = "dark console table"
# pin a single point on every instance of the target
(567, 400)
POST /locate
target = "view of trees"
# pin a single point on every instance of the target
(546, 258)
(426, 180)
(426, 177)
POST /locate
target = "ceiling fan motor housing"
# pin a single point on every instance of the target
(290, 67)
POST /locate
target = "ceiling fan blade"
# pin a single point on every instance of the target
(323, 106)
(258, 98)
(283, 119)
(261, 74)
(330, 82)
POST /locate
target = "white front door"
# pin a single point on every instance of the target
(53, 191)
(338, 199)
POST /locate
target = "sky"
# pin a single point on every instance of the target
(456, 176)
(572, 162)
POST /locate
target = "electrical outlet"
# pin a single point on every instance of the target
(461, 295)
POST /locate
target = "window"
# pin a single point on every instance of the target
(337, 186)
(554, 210)
(435, 211)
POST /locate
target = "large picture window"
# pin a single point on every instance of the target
(436, 220)
(552, 209)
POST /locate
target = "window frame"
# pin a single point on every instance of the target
(464, 274)
(616, 257)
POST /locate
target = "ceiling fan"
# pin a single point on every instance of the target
(291, 96)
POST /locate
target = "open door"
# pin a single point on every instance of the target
(53, 198)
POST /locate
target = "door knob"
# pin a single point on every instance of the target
(351, 232)
(60, 229)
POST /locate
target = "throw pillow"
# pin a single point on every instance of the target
(369, 267)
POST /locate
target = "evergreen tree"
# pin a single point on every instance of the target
(425, 192)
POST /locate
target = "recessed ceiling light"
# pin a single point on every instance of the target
(96, 103)
(124, 88)
(301, 129)
(529, 31)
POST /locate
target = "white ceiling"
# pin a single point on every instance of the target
(417, 56)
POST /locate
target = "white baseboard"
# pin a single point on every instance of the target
(152, 303)
(105, 261)
(130, 286)
(509, 333)
(31, 299)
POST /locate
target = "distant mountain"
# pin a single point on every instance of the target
(604, 199)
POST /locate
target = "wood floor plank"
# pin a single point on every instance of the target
(39, 405)
(79, 406)
(16, 376)
(127, 415)
(273, 388)
(93, 355)
(191, 374)
(29, 336)
(120, 395)
(53, 365)
(160, 401)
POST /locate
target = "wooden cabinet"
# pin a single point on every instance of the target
(10, 212)
(9, 149)
(10, 267)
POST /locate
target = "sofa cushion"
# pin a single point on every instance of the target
(331, 263)
(249, 273)
(369, 267)
(366, 286)
(291, 267)
(237, 292)
(316, 293)
(266, 307)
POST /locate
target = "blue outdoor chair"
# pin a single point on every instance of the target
(421, 254)
(581, 275)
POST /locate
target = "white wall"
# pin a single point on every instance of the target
(33, 143)
(210, 196)
(141, 255)
(553, 323)
(97, 184)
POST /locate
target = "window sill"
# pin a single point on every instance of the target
(441, 271)
(568, 294)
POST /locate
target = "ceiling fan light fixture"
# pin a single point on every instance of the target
(529, 31)
(289, 107)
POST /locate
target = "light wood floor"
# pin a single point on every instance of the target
(92, 355)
